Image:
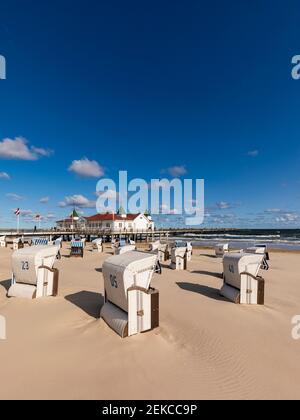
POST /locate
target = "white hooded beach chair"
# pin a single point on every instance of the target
(189, 251)
(221, 249)
(153, 246)
(58, 242)
(33, 275)
(123, 249)
(163, 252)
(262, 250)
(242, 284)
(3, 242)
(97, 245)
(131, 305)
(131, 242)
(18, 243)
(188, 246)
(179, 258)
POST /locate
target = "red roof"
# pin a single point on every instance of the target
(103, 217)
(110, 216)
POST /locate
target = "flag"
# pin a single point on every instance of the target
(17, 212)
(37, 216)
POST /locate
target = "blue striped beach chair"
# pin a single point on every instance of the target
(77, 249)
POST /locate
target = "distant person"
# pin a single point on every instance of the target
(34, 229)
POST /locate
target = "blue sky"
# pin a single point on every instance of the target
(145, 87)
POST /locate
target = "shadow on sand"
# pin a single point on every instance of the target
(210, 292)
(208, 255)
(89, 302)
(208, 273)
(5, 284)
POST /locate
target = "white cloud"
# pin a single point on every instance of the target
(175, 171)
(77, 200)
(50, 216)
(86, 168)
(4, 175)
(223, 205)
(18, 149)
(108, 193)
(273, 211)
(25, 213)
(253, 153)
(14, 197)
(44, 200)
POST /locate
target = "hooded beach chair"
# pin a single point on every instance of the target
(123, 249)
(18, 243)
(76, 249)
(242, 284)
(262, 250)
(179, 258)
(39, 241)
(33, 275)
(3, 242)
(188, 246)
(131, 305)
(221, 249)
(97, 245)
(153, 246)
(163, 252)
(189, 251)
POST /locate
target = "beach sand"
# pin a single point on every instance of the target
(205, 347)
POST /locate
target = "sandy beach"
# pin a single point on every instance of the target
(205, 348)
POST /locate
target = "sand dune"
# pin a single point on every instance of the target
(205, 347)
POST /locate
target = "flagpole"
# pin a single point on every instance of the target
(18, 222)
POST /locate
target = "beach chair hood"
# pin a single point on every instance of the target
(131, 306)
(241, 281)
(121, 272)
(33, 272)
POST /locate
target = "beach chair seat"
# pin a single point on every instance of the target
(242, 284)
(179, 258)
(221, 249)
(33, 275)
(76, 249)
(131, 305)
